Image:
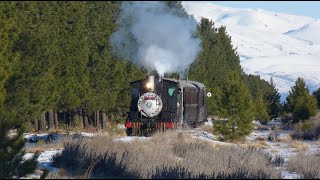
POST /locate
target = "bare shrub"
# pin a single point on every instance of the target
(165, 155)
(307, 165)
(200, 159)
(308, 130)
(278, 161)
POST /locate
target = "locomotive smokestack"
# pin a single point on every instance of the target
(156, 75)
(151, 78)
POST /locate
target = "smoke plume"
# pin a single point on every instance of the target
(151, 35)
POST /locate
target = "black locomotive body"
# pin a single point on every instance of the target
(159, 104)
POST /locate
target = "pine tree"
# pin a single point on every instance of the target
(261, 110)
(300, 102)
(217, 59)
(273, 99)
(317, 95)
(265, 97)
(177, 8)
(31, 88)
(237, 109)
(257, 91)
(12, 164)
(305, 107)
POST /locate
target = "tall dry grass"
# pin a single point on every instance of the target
(165, 155)
(308, 165)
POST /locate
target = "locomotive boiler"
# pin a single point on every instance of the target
(158, 104)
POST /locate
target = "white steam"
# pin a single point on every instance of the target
(151, 35)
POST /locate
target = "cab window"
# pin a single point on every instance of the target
(171, 91)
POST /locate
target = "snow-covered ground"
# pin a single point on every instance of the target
(45, 161)
(270, 44)
(132, 138)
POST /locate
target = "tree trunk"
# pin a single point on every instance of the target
(85, 120)
(50, 120)
(74, 119)
(56, 120)
(42, 122)
(69, 118)
(65, 119)
(98, 120)
(95, 119)
(104, 120)
(80, 113)
(36, 125)
(30, 125)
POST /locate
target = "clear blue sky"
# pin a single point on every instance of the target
(305, 8)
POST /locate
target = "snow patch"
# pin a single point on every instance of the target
(45, 159)
(131, 138)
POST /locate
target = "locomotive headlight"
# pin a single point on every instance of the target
(149, 85)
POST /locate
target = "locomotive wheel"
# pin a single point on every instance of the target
(148, 132)
(129, 131)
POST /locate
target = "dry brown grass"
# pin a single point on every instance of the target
(307, 165)
(114, 131)
(299, 146)
(41, 146)
(61, 174)
(165, 155)
(209, 129)
(317, 142)
(286, 139)
(260, 138)
(35, 149)
(57, 131)
(262, 144)
(274, 150)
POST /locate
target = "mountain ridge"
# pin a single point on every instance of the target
(270, 44)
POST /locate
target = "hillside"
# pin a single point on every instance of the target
(270, 44)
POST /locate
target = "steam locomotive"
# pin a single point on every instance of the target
(158, 104)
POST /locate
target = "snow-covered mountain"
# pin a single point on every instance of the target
(309, 32)
(270, 44)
